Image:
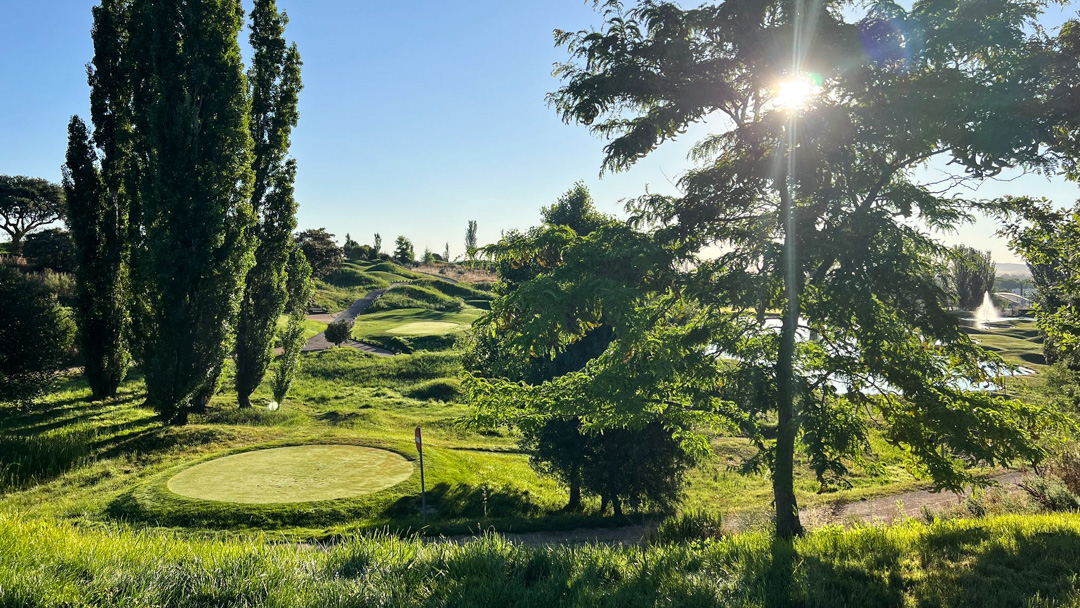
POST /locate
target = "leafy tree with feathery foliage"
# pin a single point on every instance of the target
(807, 203)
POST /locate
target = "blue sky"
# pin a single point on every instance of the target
(416, 116)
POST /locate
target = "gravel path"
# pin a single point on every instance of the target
(880, 510)
(319, 341)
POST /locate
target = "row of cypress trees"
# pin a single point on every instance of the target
(181, 200)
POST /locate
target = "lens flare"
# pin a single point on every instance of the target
(795, 92)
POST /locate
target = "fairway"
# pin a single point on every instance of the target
(427, 328)
(293, 474)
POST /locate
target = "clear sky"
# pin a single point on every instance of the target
(415, 118)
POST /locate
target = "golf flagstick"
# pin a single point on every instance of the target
(423, 493)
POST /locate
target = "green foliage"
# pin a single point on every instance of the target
(403, 251)
(52, 249)
(99, 228)
(59, 284)
(973, 275)
(1051, 494)
(575, 210)
(27, 203)
(377, 244)
(339, 331)
(812, 211)
(274, 86)
(321, 251)
(1049, 240)
(35, 338)
(300, 290)
(195, 194)
(470, 241)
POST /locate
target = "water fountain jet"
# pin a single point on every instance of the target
(986, 313)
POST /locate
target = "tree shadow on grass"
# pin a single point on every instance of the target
(974, 569)
(792, 579)
(468, 501)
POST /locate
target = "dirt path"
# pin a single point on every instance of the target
(880, 510)
(319, 341)
(885, 509)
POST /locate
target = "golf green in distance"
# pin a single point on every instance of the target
(304, 473)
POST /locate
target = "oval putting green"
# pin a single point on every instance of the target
(427, 328)
(303, 473)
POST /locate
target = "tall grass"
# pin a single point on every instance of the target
(27, 459)
(1007, 561)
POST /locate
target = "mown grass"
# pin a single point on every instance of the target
(998, 562)
(413, 329)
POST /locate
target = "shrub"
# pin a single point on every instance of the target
(36, 334)
(339, 331)
(52, 249)
(1051, 493)
(60, 284)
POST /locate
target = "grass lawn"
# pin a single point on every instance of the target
(304, 473)
(1019, 344)
(410, 329)
(311, 328)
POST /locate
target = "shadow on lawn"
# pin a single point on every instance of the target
(45, 442)
(974, 569)
(468, 501)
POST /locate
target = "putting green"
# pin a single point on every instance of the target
(294, 474)
(426, 328)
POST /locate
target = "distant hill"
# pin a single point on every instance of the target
(1016, 270)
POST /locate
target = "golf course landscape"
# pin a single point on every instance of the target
(616, 304)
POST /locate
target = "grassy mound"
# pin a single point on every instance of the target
(415, 296)
(444, 389)
(990, 563)
(455, 290)
(338, 290)
(293, 474)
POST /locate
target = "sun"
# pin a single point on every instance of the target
(795, 92)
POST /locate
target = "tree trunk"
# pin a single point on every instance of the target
(244, 401)
(787, 507)
(616, 506)
(603, 503)
(575, 492)
(17, 243)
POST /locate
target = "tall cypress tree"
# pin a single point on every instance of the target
(99, 202)
(97, 227)
(274, 85)
(194, 152)
(300, 289)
